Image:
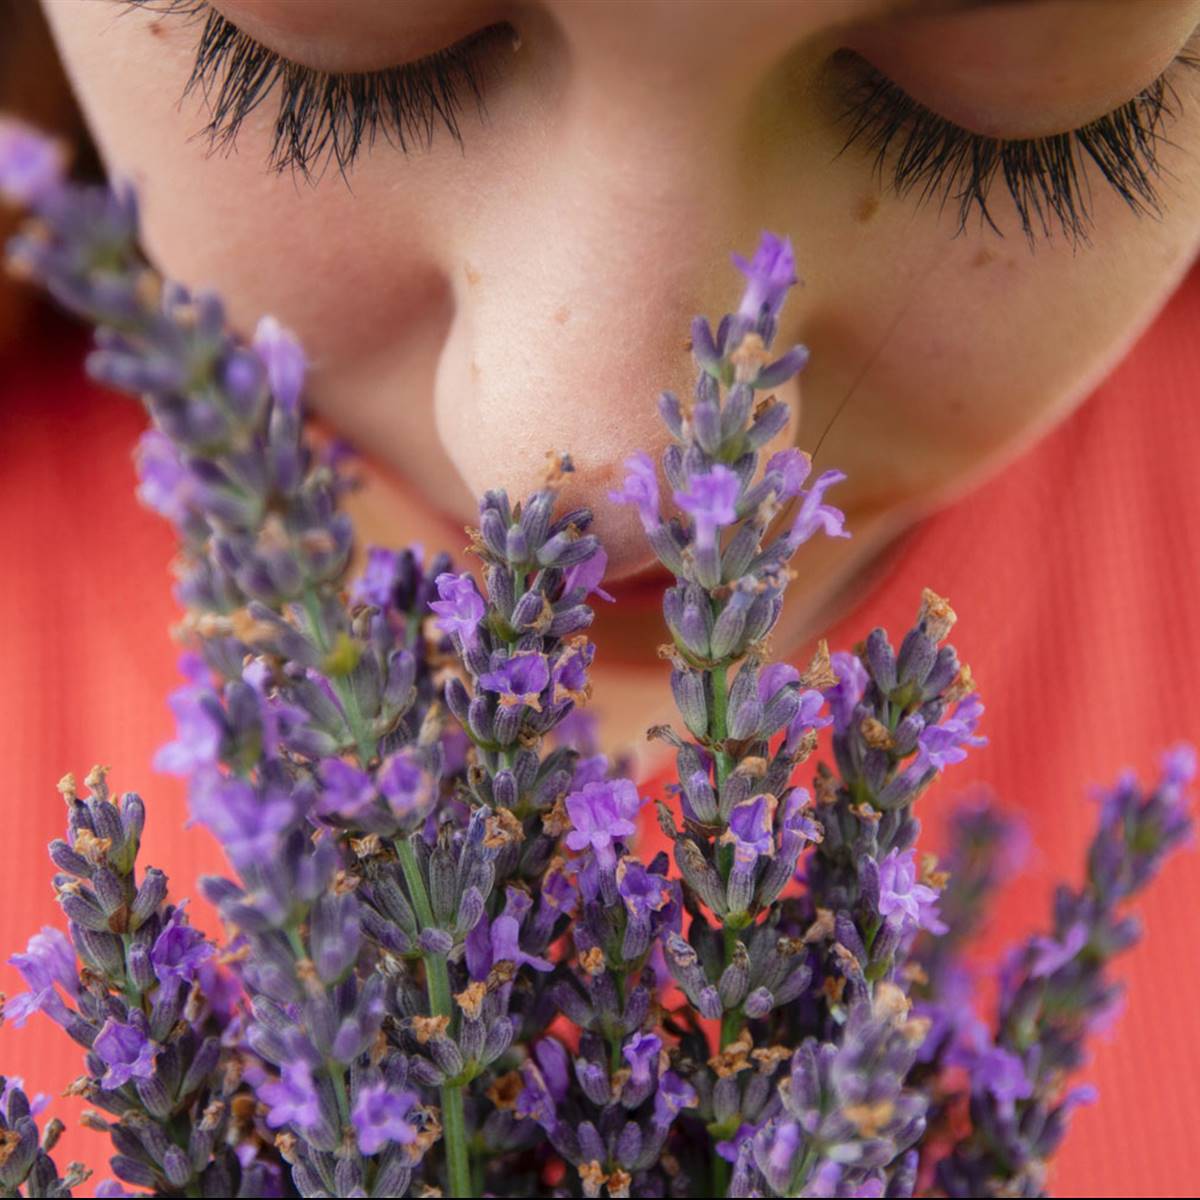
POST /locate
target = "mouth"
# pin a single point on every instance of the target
(640, 592)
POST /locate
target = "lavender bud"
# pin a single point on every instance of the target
(745, 713)
(917, 655)
(150, 896)
(67, 860)
(700, 875)
(109, 890)
(505, 789)
(941, 674)
(470, 909)
(881, 660)
(335, 935)
(447, 1056)
(435, 941)
(131, 1170)
(202, 1066)
(593, 1079)
(443, 883)
(499, 1038)
(773, 420)
(758, 1003)
(102, 952)
(83, 910)
(629, 1144)
(709, 1004)
(139, 968)
(687, 686)
(671, 413)
(738, 405)
(739, 891)
(735, 979)
(154, 1097)
(480, 718)
(726, 1098)
(706, 424)
(731, 623)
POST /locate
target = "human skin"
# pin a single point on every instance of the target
(468, 309)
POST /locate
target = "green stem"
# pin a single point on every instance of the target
(454, 1134)
(437, 982)
(717, 719)
(343, 687)
(720, 1175)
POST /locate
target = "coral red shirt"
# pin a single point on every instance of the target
(1075, 574)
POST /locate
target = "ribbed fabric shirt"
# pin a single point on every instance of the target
(1075, 573)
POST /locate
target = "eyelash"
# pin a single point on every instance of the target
(324, 117)
(1045, 176)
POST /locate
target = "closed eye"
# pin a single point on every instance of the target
(1047, 178)
(323, 117)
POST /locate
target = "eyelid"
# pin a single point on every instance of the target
(1046, 177)
(311, 35)
(321, 116)
(1026, 70)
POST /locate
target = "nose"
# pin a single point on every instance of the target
(572, 313)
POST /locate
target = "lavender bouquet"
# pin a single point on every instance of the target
(446, 969)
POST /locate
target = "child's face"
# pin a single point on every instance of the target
(468, 308)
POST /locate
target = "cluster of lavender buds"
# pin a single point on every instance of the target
(446, 969)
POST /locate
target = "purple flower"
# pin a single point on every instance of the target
(1050, 954)
(14, 1083)
(552, 1059)
(752, 828)
(848, 691)
(31, 166)
(1179, 765)
(814, 514)
(906, 904)
(179, 949)
(380, 1116)
(165, 485)
(284, 358)
(110, 1189)
(535, 1101)
(499, 942)
(1002, 1074)
(588, 575)
(640, 489)
(601, 813)
(672, 1095)
(769, 275)
(793, 468)
(403, 783)
(378, 579)
(196, 708)
(460, 607)
(940, 745)
(797, 816)
(126, 1050)
(642, 891)
(246, 823)
(711, 500)
(784, 1146)
(348, 790)
(49, 959)
(292, 1099)
(519, 680)
(641, 1053)
(570, 670)
(808, 716)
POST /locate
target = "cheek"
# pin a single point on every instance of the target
(936, 358)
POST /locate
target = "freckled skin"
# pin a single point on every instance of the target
(467, 310)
